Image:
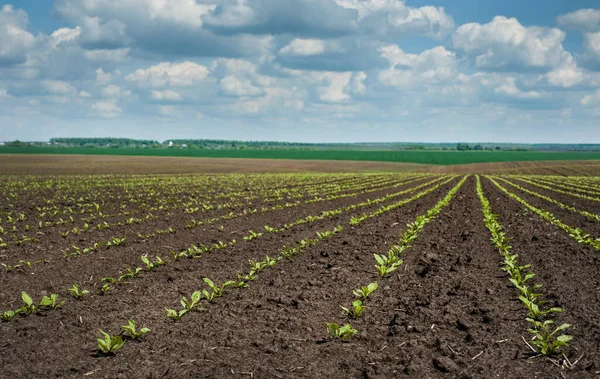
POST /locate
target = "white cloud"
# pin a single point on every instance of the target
(333, 86)
(172, 74)
(591, 99)
(15, 40)
(240, 77)
(107, 55)
(103, 77)
(432, 66)
(114, 92)
(591, 48)
(234, 86)
(166, 95)
(167, 110)
(58, 87)
(277, 100)
(84, 94)
(107, 108)
(386, 16)
(587, 20)
(504, 43)
(64, 35)
(186, 12)
(509, 88)
(303, 47)
(358, 83)
(98, 33)
(566, 75)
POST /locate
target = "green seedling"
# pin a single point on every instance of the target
(52, 302)
(149, 265)
(175, 315)
(270, 262)
(104, 289)
(131, 331)
(343, 333)
(357, 309)
(7, 316)
(216, 290)
(109, 344)
(364, 292)
(252, 236)
(545, 338)
(74, 291)
(383, 265)
(28, 308)
(190, 305)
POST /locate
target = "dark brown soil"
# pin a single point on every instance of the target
(449, 311)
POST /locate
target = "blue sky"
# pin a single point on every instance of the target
(301, 70)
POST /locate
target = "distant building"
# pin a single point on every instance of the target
(170, 143)
(183, 145)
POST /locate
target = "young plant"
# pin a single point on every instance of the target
(343, 333)
(382, 265)
(131, 331)
(149, 265)
(190, 305)
(357, 309)
(52, 302)
(109, 345)
(28, 308)
(7, 316)
(175, 315)
(252, 236)
(74, 291)
(364, 292)
(545, 338)
(105, 288)
(216, 290)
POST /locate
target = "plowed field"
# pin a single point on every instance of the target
(475, 274)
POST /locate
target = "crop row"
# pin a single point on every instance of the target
(387, 263)
(547, 339)
(576, 233)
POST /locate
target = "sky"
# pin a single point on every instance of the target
(301, 70)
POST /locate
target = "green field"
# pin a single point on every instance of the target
(425, 157)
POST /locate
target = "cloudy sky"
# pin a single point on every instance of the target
(301, 70)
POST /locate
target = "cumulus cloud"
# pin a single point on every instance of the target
(108, 108)
(103, 77)
(505, 44)
(240, 77)
(303, 47)
(58, 87)
(114, 92)
(64, 35)
(566, 75)
(592, 99)
(15, 40)
(276, 100)
(323, 18)
(167, 27)
(393, 16)
(432, 66)
(336, 87)
(587, 20)
(591, 50)
(107, 55)
(509, 88)
(166, 95)
(172, 74)
(234, 86)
